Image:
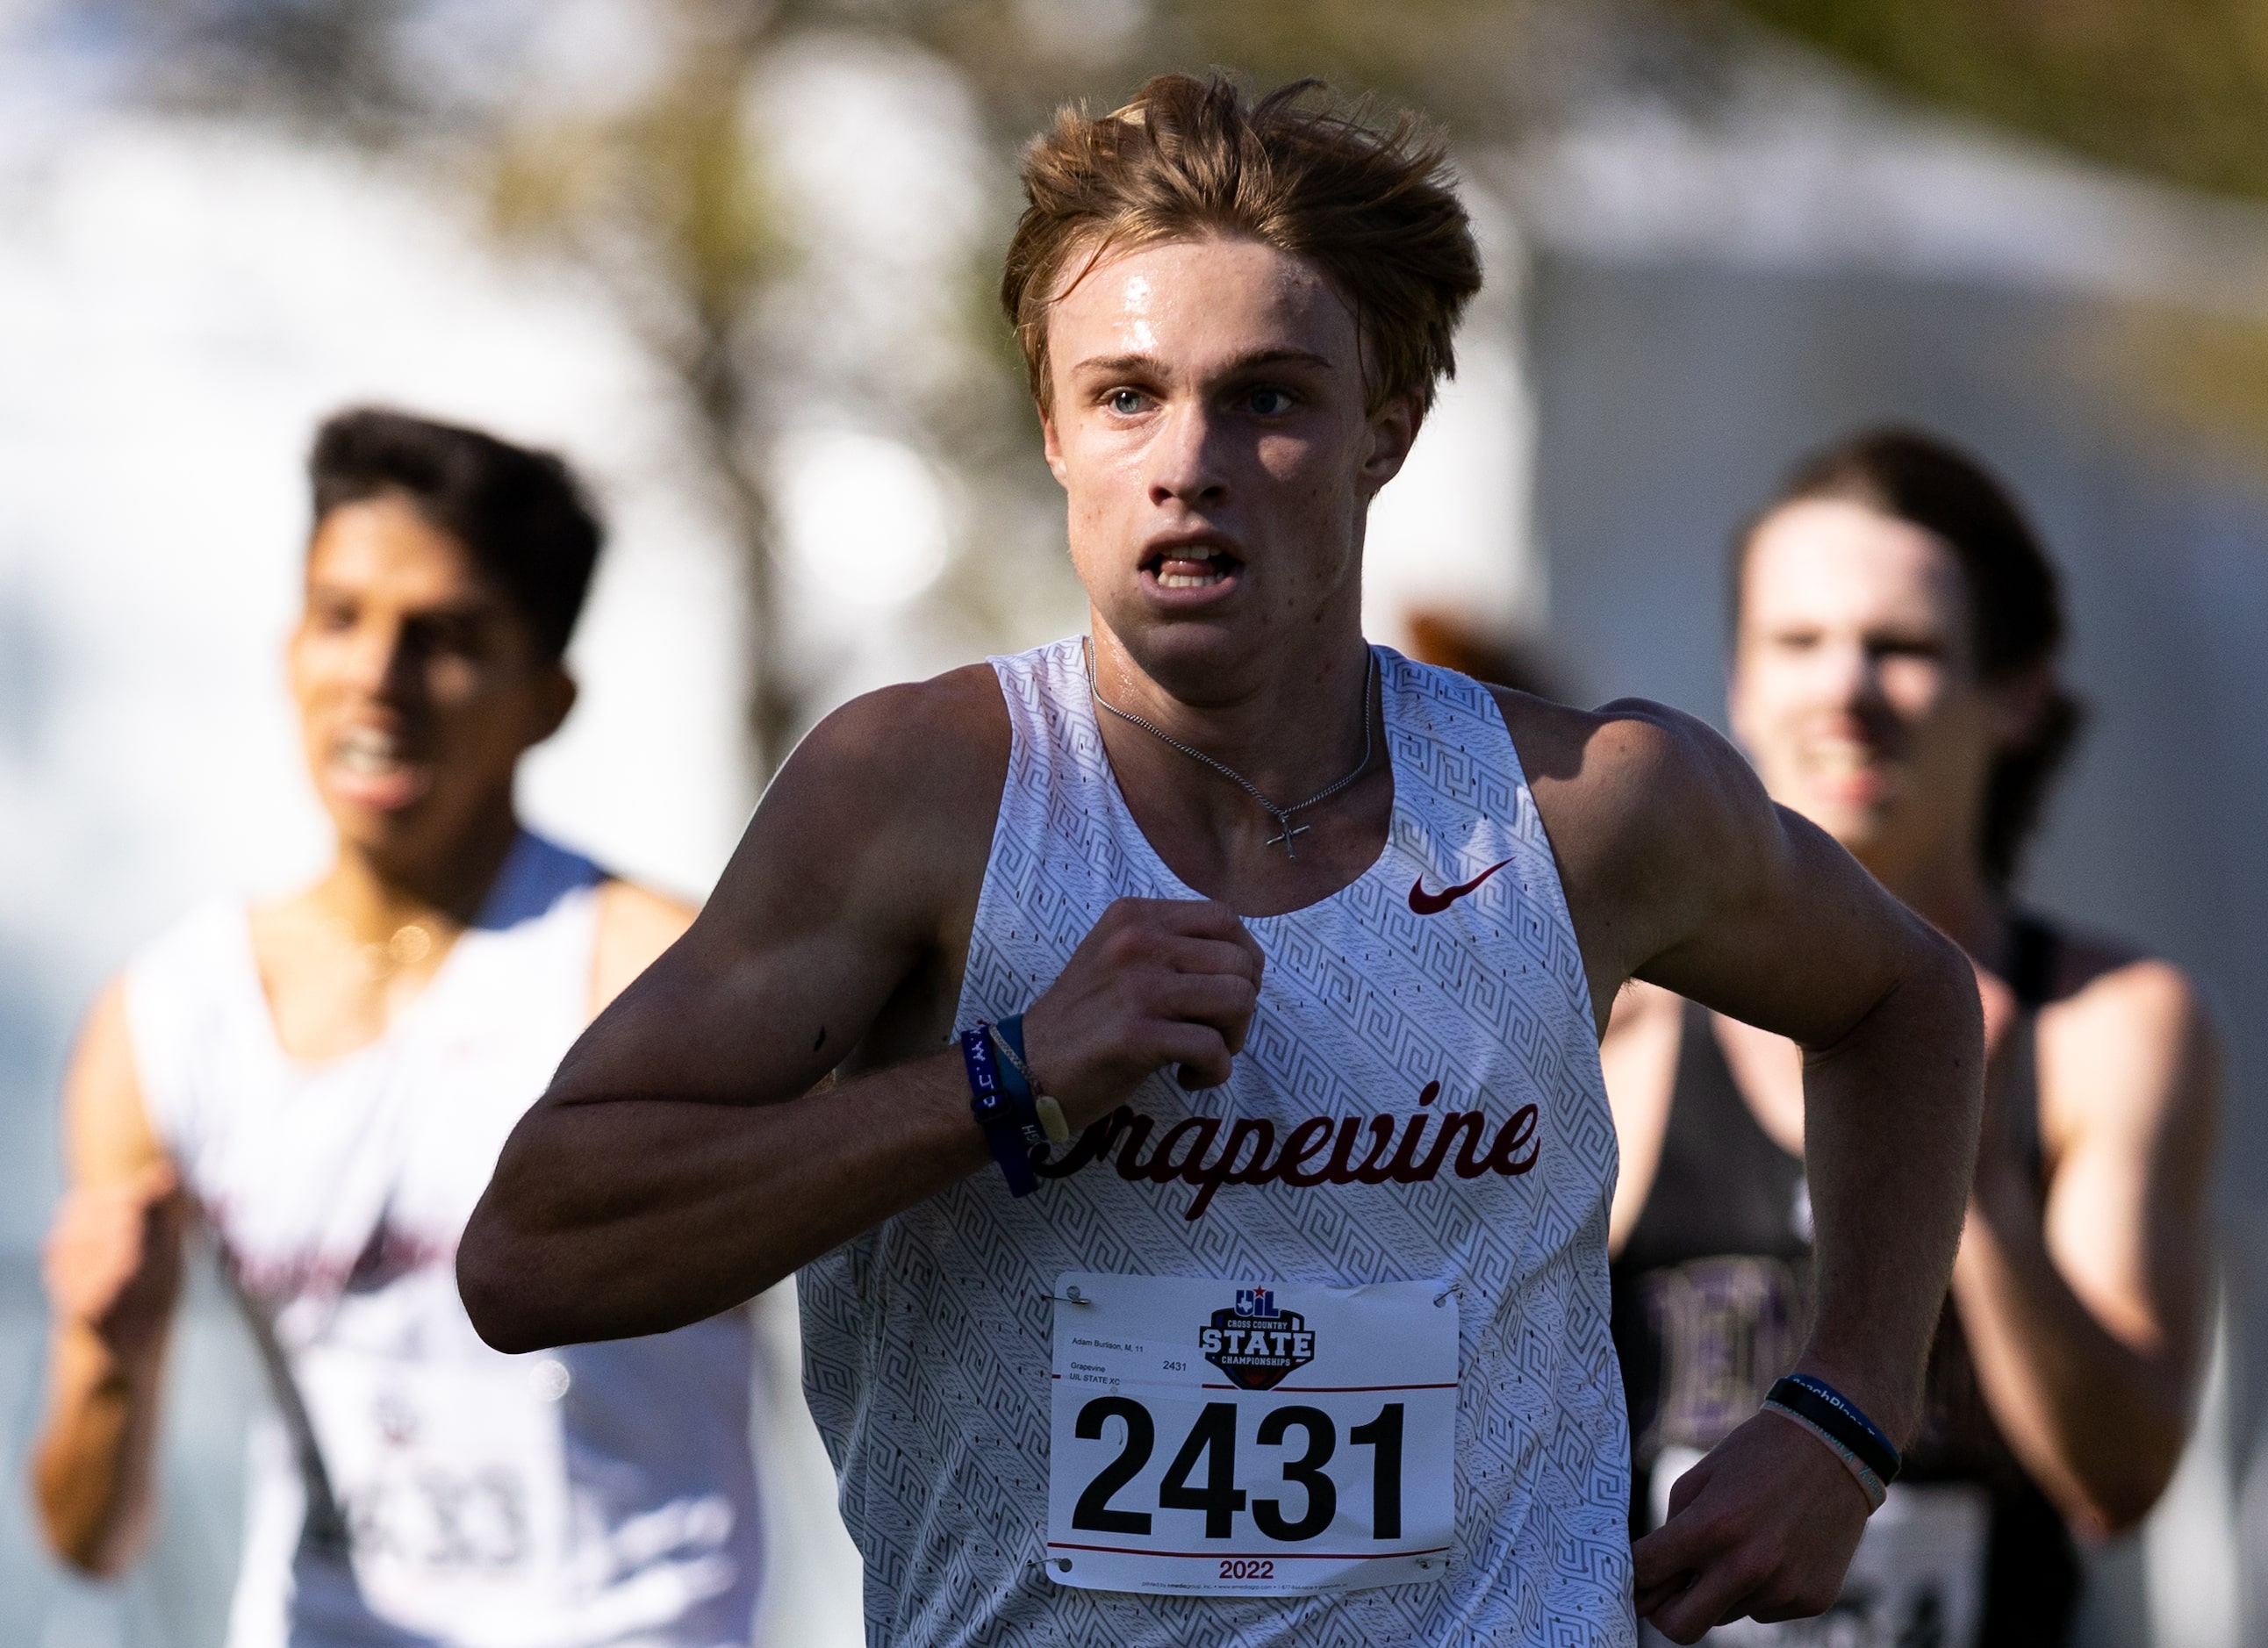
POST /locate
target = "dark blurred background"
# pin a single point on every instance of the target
(736, 260)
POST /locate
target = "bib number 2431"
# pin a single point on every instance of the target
(1250, 1439)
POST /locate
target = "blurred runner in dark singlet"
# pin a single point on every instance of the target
(1898, 627)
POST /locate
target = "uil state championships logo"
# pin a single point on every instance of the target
(1255, 1345)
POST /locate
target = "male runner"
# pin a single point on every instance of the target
(1894, 676)
(326, 1081)
(1299, 1335)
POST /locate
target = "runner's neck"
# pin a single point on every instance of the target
(1213, 836)
(1290, 728)
(377, 893)
(1952, 894)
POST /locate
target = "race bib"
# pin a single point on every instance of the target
(1255, 1439)
(1918, 1577)
(452, 1478)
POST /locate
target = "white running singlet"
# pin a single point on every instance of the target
(595, 1494)
(1419, 1101)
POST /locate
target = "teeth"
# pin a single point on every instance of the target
(1843, 758)
(365, 749)
(1192, 567)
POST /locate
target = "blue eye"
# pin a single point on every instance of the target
(1270, 402)
(1125, 402)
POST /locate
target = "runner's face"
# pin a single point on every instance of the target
(418, 686)
(1854, 683)
(1209, 426)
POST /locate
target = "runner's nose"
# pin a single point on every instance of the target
(1184, 463)
(1847, 676)
(374, 656)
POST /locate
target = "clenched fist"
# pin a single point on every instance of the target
(1157, 982)
(1764, 1528)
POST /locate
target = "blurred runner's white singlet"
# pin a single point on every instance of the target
(1319, 1356)
(597, 1494)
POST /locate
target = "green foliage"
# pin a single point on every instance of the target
(2178, 88)
(2187, 384)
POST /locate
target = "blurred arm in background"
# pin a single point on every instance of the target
(2086, 1297)
(113, 1266)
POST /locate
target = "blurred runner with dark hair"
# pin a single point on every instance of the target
(1269, 968)
(325, 1081)
(1894, 678)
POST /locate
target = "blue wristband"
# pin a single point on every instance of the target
(1011, 1129)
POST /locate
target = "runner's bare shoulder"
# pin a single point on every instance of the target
(884, 812)
(1634, 787)
(2127, 1042)
(108, 1134)
(2118, 989)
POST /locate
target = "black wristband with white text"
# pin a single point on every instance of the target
(1858, 1441)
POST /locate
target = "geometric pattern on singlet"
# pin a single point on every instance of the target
(926, 1339)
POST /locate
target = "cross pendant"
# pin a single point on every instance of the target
(1290, 851)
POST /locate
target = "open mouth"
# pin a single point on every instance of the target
(1850, 771)
(1191, 567)
(374, 768)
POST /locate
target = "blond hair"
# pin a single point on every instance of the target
(1375, 211)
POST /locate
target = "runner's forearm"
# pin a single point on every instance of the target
(92, 1468)
(2097, 1423)
(584, 1231)
(1890, 1118)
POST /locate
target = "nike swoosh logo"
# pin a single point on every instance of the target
(1425, 903)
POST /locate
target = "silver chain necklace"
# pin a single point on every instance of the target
(1281, 814)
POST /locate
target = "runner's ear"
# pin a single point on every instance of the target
(2021, 701)
(557, 693)
(1051, 445)
(1393, 427)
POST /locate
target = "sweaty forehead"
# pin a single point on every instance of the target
(1833, 564)
(1188, 305)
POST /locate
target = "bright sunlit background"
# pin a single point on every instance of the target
(736, 261)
